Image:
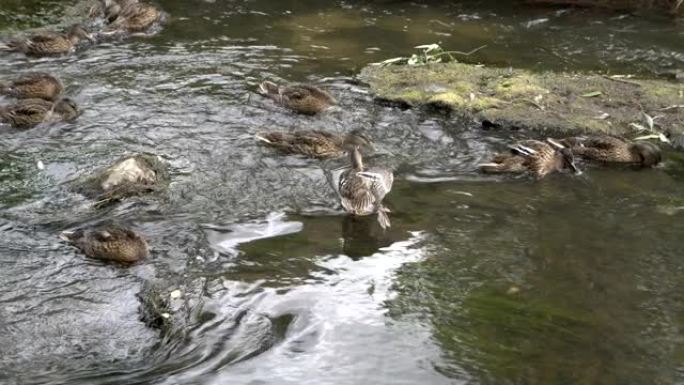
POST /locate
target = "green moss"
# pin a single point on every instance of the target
(519, 86)
(532, 100)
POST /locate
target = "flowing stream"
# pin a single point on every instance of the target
(480, 280)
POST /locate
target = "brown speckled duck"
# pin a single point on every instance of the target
(363, 189)
(30, 112)
(314, 143)
(133, 17)
(33, 86)
(49, 43)
(110, 9)
(109, 243)
(301, 98)
(532, 156)
(611, 149)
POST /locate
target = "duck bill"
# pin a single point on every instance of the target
(574, 169)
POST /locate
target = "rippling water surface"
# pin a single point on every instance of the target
(570, 280)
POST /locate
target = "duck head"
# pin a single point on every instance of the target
(67, 108)
(647, 152)
(358, 139)
(77, 33)
(565, 155)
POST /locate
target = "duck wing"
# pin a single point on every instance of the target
(355, 194)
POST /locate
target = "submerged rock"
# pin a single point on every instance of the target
(521, 99)
(129, 176)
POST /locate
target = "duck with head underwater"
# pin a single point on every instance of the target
(612, 149)
(363, 189)
(50, 43)
(301, 98)
(109, 243)
(30, 112)
(33, 86)
(533, 156)
(314, 143)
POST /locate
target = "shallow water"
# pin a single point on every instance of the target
(571, 280)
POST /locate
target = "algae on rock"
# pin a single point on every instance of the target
(129, 176)
(539, 101)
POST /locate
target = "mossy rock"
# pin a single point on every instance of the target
(127, 177)
(539, 101)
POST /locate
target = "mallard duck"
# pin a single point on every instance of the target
(363, 189)
(314, 143)
(110, 9)
(301, 98)
(109, 243)
(533, 156)
(30, 112)
(48, 43)
(612, 149)
(33, 86)
(134, 17)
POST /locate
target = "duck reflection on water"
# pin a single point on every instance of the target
(362, 237)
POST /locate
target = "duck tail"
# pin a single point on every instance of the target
(70, 236)
(383, 219)
(262, 138)
(269, 89)
(9, 46)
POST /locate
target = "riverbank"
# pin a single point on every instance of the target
(519, 99)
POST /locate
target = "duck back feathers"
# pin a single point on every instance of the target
(109, 243)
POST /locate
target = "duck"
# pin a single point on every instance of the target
(110, 9)
(535, 156)
(50, 43)
(362, 189)
(33, 86)
(301, 98)
(612, 149)
(132, 17)
(30, 112)
(109, 243)
(314, 143)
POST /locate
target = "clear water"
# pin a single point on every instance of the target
(570, 280)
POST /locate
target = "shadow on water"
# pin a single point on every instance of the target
(480, 279)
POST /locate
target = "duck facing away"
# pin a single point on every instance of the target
(30, 112)
(610, 149)
(109, 243)
(50, 43)
(301, 98)
(362, 190)
(132, 17)
(33, 86)
(533, 156)
(110, 9)
(314, 143)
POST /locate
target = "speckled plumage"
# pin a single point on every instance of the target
(531, 156)
(49, 43)
(313, 143)
(301, 98)
(611, 149)
(362, 190)
(109, 243)
(30, 112)
(33, 86)
(135, 17)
